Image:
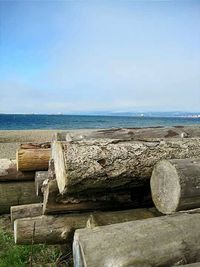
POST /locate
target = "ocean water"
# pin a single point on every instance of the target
(22, 122)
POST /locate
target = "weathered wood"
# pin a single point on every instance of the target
(175, 185)
(16, 193)
(24, 211)
(100, 164)
(36, 159)
(55, 203)
(128, 197)
(60, 229)
(8, 172)
(197, 264)
(162, 241)
(131, 133)
(40, 177)
(113, 217)
(35, 145)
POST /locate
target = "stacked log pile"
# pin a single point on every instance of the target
(16, 187)
(100, 181)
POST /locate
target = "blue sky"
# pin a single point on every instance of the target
(80, 56)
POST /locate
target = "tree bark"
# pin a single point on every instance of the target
(131, 133)
(162, 241)
(175, 185)
(34, 159)
(16, 193)
(60, 229)
(55, 203)
(24, 211)
(40, 177)
(99, 164)
(8, 172)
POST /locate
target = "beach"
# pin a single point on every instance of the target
(10, 140)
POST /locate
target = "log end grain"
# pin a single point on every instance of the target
(58, 157)
(165, 187)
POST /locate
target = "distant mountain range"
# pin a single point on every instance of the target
(141, 114)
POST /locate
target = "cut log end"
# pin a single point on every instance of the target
(57, 155)
(165, 187)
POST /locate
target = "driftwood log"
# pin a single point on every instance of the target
(24, 211)
(33, 157)
(175, 185)
(99, 164)
(40, 177)
(8, 172)
(162, 241)
(131, 133)
(106, 218)
(55, 203)
(16, 193)
(60, 229)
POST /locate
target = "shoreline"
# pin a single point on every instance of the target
(10, 140)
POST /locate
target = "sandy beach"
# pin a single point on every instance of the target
(11, 139)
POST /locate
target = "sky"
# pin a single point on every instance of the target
(94, 56)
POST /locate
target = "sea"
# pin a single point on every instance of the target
(28, 122)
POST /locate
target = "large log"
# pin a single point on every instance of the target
(99, 164)
(60, 229)
(8, 172)
(16, 193)
(162, 241)
(40, 177)
(33, 159)
(175, 185)
(131, 133)
(55, 203)
(24, 211)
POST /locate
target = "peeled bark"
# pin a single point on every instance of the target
(175, 185)
(131, 133)
(8, 172)
(16, 193)
(24, 211)
(60, 229)
(34, 159)
(162, 241)
(55, 203)
(99, 164)
(40, 177)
